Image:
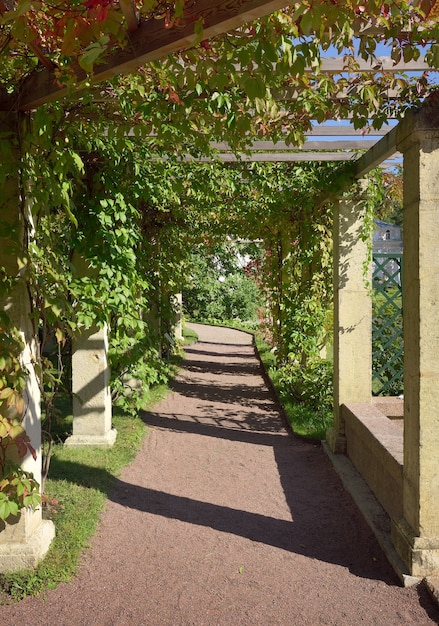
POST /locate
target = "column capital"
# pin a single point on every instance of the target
(419, 124)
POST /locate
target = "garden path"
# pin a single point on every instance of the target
(225, 518)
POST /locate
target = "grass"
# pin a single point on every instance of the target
(80, 479)
(249, 327)
(76, 489)
(304, 421)
(189, 336)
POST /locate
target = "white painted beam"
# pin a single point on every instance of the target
(336, 65)
(270, 146)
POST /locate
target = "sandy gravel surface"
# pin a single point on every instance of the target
(224, 519)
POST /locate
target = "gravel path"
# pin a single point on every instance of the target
(224, 519)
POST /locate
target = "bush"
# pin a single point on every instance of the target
(311, 386)
(235, 298)
(304, 392)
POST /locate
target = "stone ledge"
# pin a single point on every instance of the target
(373, 513)
(375, 447)
(391, 406)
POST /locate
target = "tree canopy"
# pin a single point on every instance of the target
(262, 79)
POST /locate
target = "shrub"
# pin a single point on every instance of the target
(311, 386)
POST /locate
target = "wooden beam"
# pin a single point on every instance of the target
(290, 94)
(338, 65)
(382, 150)
(277, 146)
(149, 42)
(345, 130)
(273, 157)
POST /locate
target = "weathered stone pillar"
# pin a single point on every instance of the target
(416, 535)
(352, 314)
(25, 540)
(178, 328)
(91, 391)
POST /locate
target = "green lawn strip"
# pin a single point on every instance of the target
(76, 489)
(304, 421)
(189, 335)
(249, 327)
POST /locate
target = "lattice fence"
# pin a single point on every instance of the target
(387, 338)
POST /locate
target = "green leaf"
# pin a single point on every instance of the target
(254, 87)
(7, 507)
(270, 51)
(308, 22)
(90, 56)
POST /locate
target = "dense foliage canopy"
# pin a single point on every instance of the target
(109, 206)
(263, 79)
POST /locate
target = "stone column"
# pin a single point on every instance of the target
(91, 391)
(178, 328)
(352, 314)
(416, 535)
(25, 539)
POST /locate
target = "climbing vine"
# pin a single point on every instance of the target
(108, 209)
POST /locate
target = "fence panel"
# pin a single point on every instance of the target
(387, 337)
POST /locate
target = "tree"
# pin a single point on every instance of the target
(218, 288)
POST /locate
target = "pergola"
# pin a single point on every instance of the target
(401, 470)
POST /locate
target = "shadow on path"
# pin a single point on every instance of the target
(323, 524)
(320, 521)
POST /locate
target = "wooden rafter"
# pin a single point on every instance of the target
(148, 42)
(382, 150)
(336, 144)
(346, 130)
(36, 49)
(337, 65)
(287, 157)
(129, 11)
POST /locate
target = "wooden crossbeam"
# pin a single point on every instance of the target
(292, 157)
(346, 130)
(277, 146)
(148, 42)
(337, 65)
(382, 150)
(274, 157)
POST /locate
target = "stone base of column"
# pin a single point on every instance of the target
(25, 541)
(336, 442)
(420, 554)
(102, 441)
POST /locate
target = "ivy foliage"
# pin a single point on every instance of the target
(111, 211)
(18, 487)
(117, 221)
(263, 79)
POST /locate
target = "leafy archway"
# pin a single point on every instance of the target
(103, 166)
